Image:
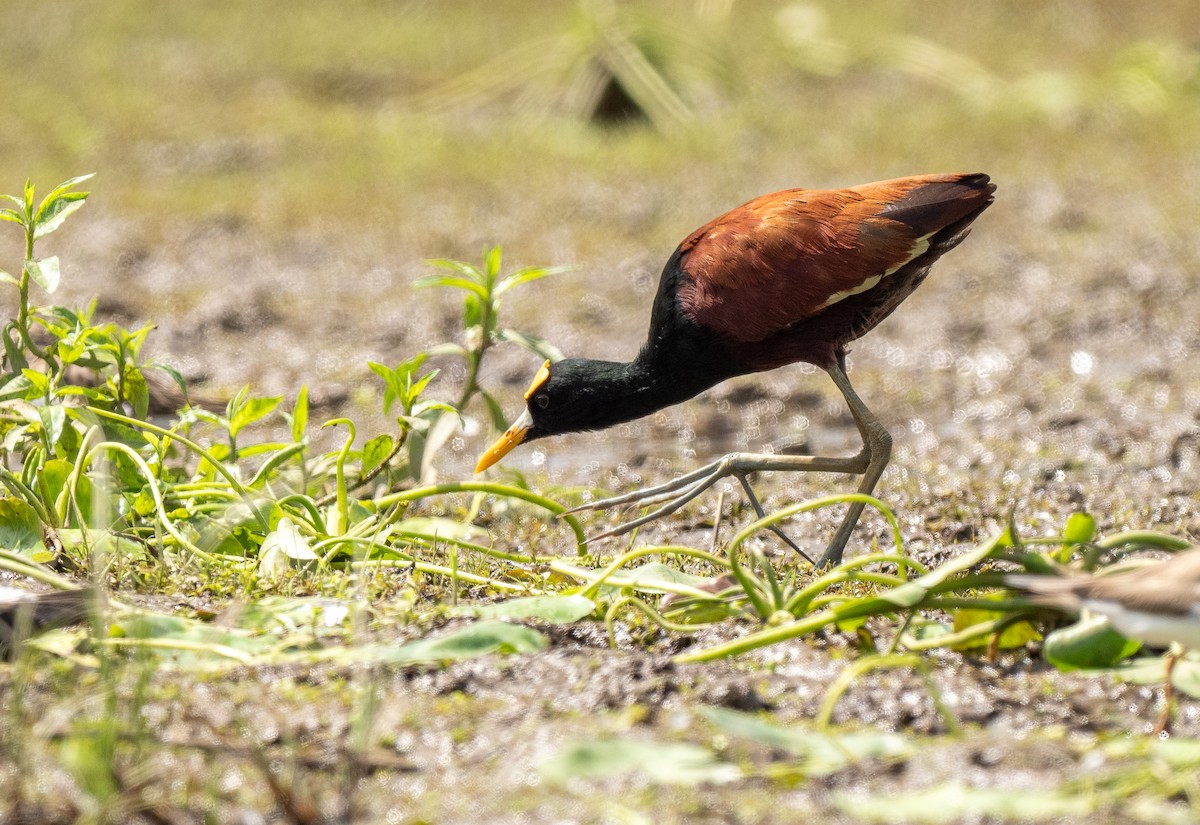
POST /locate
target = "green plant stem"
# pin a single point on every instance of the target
(852, 672)
(151, 484)
(23, 305)
(649, 612)
(967, 634)
(439, 570)
(815, 504)
(599, 578)
(503, 490)
(343, 500)
(198, 450)
(22, 491)
(18, 564)
(369, 477)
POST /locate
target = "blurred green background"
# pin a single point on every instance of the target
(272, 174)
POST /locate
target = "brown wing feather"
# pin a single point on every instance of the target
(1171, 587)
(783, 257)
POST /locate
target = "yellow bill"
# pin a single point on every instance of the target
(513, 436)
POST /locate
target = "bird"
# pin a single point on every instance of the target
(792, 276)
(1158, 604)
(24, 613)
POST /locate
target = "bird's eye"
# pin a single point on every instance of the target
(542, 400)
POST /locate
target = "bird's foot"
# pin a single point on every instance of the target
(672, 495)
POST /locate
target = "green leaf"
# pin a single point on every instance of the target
(253, 409)
(656, 577)
(51, 216)
(375, 451)
(300, 414)
(70, 183)
(53, 419)
(536, 345)
(914, 592)
(1151, 670)
(14, 354)
(552, 609)
(495, 411)
(1088, 644)
(529, 273)
(1081, 529)
(137, 392)
(1013, 636)
(54, 478)
(461, 267)
(479, 639)
(491, 263)
(823, 753)
(20, 530)
(662, 763)
(956, 802)
(452, 282)
(44, 272)
(189, 642)
(289, 540)
(282, 614)
(434, 527)
(12, 215)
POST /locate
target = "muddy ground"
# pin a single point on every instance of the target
(1048, 365)
(1008, 392)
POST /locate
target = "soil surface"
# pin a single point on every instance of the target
(1008, 392)
(268, 202)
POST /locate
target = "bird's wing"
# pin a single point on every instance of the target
(1171, 587)
(784, 257)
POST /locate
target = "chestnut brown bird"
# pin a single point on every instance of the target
(791, 276)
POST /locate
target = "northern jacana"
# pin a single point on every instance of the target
(791, 276)
(1158, 604)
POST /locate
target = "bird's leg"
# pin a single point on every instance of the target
(1164, 719)
(877, 451)
(869, 463)
(680, 491)
(774, 528)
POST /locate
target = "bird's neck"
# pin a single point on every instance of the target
(647, 384)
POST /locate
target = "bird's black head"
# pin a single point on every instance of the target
(571, 395)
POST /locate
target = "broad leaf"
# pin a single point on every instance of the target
(823, 753)
(664, 763)
(375, 451)
(281, 614)
(529, 273)
(1151, 670)
(20, 530)
(552, 609)
(478, 639)
(436, 527)
(300, 414)
(51, 216)
(44, 272)
(289, 541)
(536, 345)
(1087, 645)
(453, 282)
(54, 478)
(251, 411)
